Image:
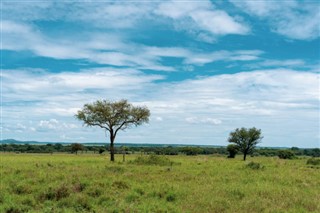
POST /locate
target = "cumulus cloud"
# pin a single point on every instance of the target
(255, 98)
(293, 19)
(202, 15)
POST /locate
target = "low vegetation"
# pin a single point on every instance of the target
(286, 154)
(314, 162)
(134, 148)
(202, 183)
(153, 160)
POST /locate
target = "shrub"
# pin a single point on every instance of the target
(233, 150)
(313, 161)
(171, 197)
(153, 160)
(286, 154)
(254, 166)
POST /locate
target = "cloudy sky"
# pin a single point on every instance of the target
(203, 68)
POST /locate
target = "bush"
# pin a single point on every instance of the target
(153, 160)
(255, 166)
(314, 161)
(233, 150)
(286, 154)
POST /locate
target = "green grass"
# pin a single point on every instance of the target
(90, 183)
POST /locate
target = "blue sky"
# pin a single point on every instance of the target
(203, 68)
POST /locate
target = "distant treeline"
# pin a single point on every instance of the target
(168, 150)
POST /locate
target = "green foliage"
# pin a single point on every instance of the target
(153, 160)
(286, 154)
(245, 139)
(254, 166)
(233, 150)
(189, 150)
(156, 149)
(315, 152)
(75, 147)
(314, 161)
(113, 116)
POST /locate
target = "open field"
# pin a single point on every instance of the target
(91, 183)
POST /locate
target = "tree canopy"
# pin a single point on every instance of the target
(113, 116)
(245, 139)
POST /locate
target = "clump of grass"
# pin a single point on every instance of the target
(21, 189)
(171, 197)
(139, 191)
(16, 209)
(132, 197)
(79, 187)
(167, 194)
(120, 185)
(94, 192)
(254, 166)
(83, 205)
(115, 169)
(55, 194)
(153, 160)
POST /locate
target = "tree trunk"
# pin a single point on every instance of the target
(111, 146)
(244, 156)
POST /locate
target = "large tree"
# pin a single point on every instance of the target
(245, 139)
(113, 116)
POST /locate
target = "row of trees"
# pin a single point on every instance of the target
(167, 150)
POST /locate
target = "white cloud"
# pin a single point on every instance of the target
(238, 55)
(54, 124)
(197, 120)
(291, 63)
(202, 15)
(110, 50)
(268, 99)
(293, 19)
(158, 118)
(176, 9)
(219, 23)
(50, 124)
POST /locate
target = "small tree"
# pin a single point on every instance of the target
(245, 139)
(113, 116)
(233, 150)
(286, 154)
(75, 147)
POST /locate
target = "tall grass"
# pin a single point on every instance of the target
(90, 183)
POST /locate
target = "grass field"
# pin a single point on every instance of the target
(91, 183)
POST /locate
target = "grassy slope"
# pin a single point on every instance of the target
(90, 183)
